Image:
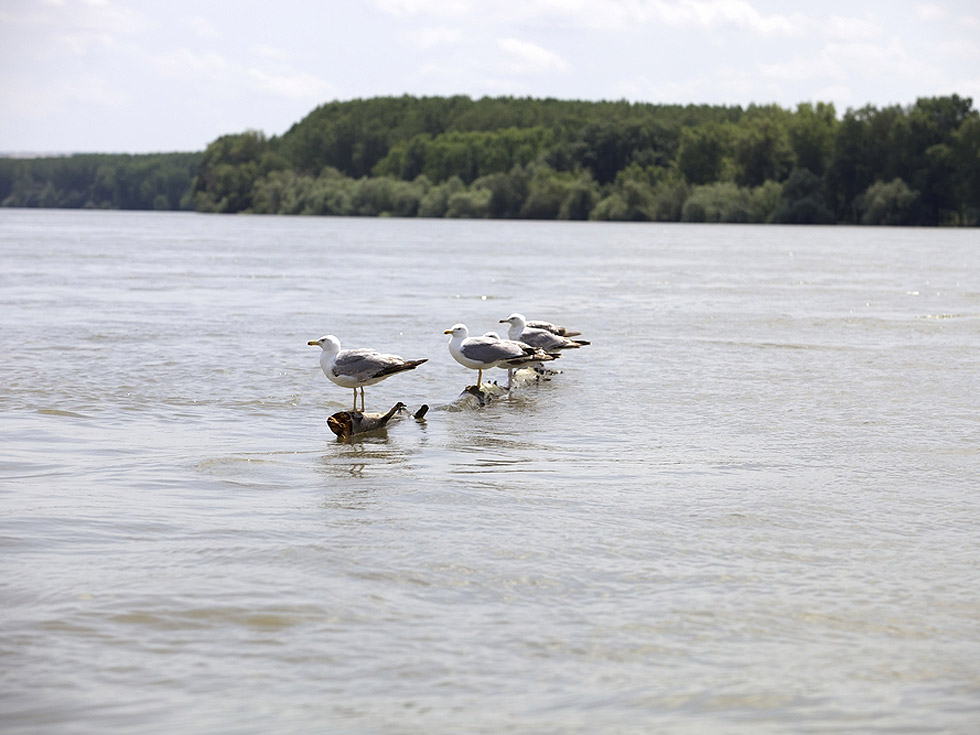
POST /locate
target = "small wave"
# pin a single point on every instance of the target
(60, 412)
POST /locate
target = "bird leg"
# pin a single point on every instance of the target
(362, 399)
(479, 378)
(355, 400)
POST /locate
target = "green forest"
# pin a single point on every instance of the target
(511, 158)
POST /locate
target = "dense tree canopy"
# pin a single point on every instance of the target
(554, 159)
(160, 181)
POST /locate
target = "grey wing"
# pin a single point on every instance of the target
(487, 350)
(553, 328)
(542, 339)
(546, 326)
(363, 363)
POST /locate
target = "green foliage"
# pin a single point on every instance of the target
(435, 203)
(762, 147)
(228, 170)
(935, 182)
(811, 135)
(669, 196)
(580, 197)
(472, 204)
(101, 181)
(469, 155)
(720, 202)
(764, 201)
(507, 192)
(510, 157)
(966, 146)
(802, 201)
(607, 147)
(548, 191)
(887, 204)
(702, 153)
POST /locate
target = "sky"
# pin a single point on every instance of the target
(144, 76)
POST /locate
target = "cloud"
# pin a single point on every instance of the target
(84, 43)
(851, 29)
(434, 36)
(705, 14)
(91, 89)
(724, 85)
(211, 66)
(202, 27)
(965, 51)
(438, 8)
(882, 61)
(840, 70)
(603, 15)
(835, 62)
(271, 52)
(184, 63)
(529, 58)
(98, 15)
(840, 94)
(737, 13)
(73, 30)
(931, 11)
(801, 68)
(294, 86)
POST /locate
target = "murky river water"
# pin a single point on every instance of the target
(751, 505)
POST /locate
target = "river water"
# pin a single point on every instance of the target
(749, 506)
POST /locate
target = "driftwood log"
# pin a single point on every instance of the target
(491, 391)
(346, 424)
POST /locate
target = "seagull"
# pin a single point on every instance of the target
(541, 355)
(540, 338)
(358, 367)
(483, 353)
(553, 328)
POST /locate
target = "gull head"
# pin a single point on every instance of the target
(327, 342)
(458, 330)
(514, 320)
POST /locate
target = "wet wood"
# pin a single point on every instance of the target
(346, 424)
(486, 393)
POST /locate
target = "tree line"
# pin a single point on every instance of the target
(554, 159)
(102, 181)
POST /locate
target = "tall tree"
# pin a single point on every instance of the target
(762, 149)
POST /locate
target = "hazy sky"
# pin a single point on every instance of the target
(166, 75)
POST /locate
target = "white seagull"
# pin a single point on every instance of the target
(483, 353)
(358, 367)
(540, 338)
(540, 357)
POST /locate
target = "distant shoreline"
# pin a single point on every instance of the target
(547, 159)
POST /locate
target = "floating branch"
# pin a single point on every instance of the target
(346, 424)
(486, 393)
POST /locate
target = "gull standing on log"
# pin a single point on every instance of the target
(540, 356)
(540, 338)
(358, 367)
(483, 353)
